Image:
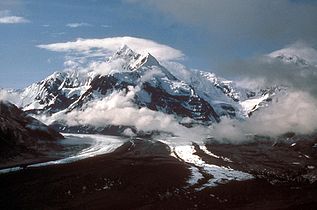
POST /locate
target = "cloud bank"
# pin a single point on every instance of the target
(108, 46)
(109, 109)
(294, 112)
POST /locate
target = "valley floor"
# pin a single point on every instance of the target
(141, 174)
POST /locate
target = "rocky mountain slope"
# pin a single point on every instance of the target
(21, 134)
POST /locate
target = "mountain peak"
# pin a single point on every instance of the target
(125, 51)
(300, 55)
(134, 60)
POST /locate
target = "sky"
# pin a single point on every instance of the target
(204, 34)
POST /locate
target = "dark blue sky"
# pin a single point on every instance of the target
(23, 63)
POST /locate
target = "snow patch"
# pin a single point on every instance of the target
(195, 176)
(220, 174)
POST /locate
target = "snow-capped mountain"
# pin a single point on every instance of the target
(158, 90)
(185, 94)
(54, 93)
(302, 56)
(220, 92)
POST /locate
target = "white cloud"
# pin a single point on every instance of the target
(7, 18)
(13, 20)
(110, 45)
(11, 96)
(104, 68)
(77, 25)
(110, 111)
(294, 112)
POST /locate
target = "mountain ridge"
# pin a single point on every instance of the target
(202, 97)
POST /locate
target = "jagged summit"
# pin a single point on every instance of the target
(133, 60)
(125, 52)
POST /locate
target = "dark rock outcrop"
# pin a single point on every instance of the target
(20, 133)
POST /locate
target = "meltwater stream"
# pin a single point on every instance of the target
(96, 145)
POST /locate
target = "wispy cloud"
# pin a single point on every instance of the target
(106, 26)
(7, 18)
(77, 25)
